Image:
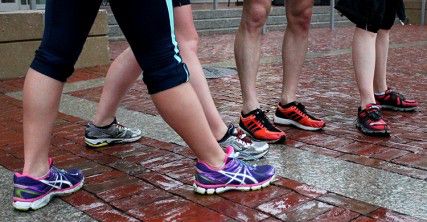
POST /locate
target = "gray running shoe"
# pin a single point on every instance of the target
(114, 133)
(244, 147)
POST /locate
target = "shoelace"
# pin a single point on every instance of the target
(397, 95)
(263, 120)
(243, 138)
(374, 115)
(302, 110)
(120, 126)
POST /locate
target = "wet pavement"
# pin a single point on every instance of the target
(334, 175)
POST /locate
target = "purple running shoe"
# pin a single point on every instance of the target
(35, 193)
(235, 175)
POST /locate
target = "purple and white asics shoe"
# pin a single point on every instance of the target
(35, 193)
(235, 175)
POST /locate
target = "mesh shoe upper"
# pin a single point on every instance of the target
(296, 112)
(392, 99)
(370, 120)
(257, 124)
(245, 148)
(113, 131)
(234, 172)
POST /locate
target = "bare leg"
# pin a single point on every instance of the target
(247, 49)
(122, 73)
(382, 45)
(181, 109)
(41, 101)
(125, 70)
(364, 64)
(188, 40)
(295, 44)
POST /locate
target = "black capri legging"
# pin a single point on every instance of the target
(147, 25)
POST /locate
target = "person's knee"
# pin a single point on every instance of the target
(57, 65)
(299, 20)
(256, 16)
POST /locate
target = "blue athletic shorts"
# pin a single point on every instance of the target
(177, 3)
(148, 26)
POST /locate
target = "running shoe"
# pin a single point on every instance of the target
(244, 147)
(35, 193)
(296, 115)
(234, 175)
(258, 126)
(114, 133)
(370, 121)
(395, 101)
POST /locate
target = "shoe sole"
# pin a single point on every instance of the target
(34, 205)
(281, 140)
(372, 133)
(201, 190)
(253, 157)
(400, 109)
(105, 142)
(288, 122)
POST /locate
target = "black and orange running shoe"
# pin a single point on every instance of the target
(296, 115)
(258, 126)
(370, 121)
(395, 101)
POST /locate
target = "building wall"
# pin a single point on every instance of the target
(21, 33)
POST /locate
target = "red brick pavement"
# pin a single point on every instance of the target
(327, 89)
(121, 187)
(141, 181)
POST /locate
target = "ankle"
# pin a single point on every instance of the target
(249, 108)
(104, 121)
(286, 100)
(379, 93)
(36, 171)
(216, 163)
(287, 105)
(220, 133)
(380, 90)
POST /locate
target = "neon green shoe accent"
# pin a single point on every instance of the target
(19, 192)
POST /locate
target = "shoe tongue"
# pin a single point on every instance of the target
(232, 130)
(373, 106)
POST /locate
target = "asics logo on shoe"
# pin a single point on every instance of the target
(58, 182)
(240, 177)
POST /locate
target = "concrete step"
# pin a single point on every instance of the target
(228, 20)
(279, 27)
(234, 13)
(237, 12)
(234, 22)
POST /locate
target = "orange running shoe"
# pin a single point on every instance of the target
(295, 114)
(257, 125)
